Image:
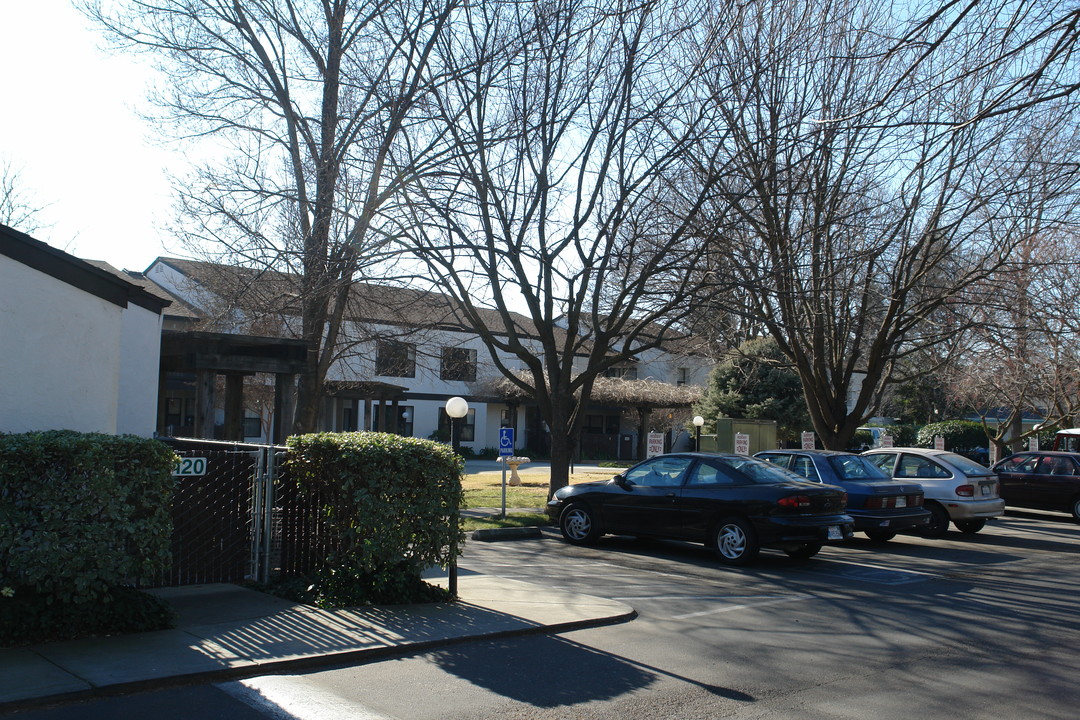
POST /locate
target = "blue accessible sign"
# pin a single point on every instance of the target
(506, 442)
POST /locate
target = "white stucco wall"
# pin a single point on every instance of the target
(140, 354)
(59, 354)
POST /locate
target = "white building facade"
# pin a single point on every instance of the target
(397, 377)
(79, 347)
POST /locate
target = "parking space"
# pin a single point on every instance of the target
(682, 580)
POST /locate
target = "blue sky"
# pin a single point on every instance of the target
(70, 125)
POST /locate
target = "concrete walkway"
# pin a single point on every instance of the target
(229, 632)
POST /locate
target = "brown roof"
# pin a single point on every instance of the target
(263, 291)
(177, 307)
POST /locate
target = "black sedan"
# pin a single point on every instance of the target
(880, 506)
(1042, 480)
(733, 503)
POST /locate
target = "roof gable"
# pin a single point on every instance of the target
(80, 274)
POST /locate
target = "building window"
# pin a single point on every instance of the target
(682, 376)
(252, 427)
(395, 359)
(404, 419)
(468, 425)
(625, 372)
(458, 364)
(601, 425)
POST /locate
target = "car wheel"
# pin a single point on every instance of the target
(804, 552)
(939, 521)
(578, 525)
(1076, 509)
(735, 542)
(970, 526)
(880, 535)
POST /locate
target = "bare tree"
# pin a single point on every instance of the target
(860, 242)
(1024, 354)
(304, 103)
(1029, 45)
(564, 201)
(17, 210)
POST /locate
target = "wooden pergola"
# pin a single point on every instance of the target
(643, 396)
(207, 355)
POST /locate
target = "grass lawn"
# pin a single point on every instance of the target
(516, 519)
(484, 489)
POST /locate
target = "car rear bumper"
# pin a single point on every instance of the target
(970, 510)
(780, 530)
(898, 521)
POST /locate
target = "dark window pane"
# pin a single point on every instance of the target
(395, 359)
(458, 364)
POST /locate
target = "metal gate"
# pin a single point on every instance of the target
(223, 512)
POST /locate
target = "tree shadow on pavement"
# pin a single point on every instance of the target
(548, 672)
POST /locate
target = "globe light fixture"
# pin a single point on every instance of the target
(458, 407)
(698, 422)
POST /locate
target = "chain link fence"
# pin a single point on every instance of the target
(237, 516)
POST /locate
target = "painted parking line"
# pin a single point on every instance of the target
(878, 574)
(749, 601)
(291, 697)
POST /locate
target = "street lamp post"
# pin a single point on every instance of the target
(698, 422)
(456, 408)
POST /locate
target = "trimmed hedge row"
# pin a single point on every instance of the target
(81, 514)
(958, 434)
(390, 503)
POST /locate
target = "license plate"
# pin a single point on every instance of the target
(834, 533)
(901, 502)
(985, 489)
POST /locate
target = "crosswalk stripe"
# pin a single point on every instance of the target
(290, 697)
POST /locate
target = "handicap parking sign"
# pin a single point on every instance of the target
(506, 442)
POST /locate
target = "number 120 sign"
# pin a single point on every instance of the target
(190, 467)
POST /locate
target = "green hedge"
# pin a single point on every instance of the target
(958, 434)
(389, 502)
(80, 516)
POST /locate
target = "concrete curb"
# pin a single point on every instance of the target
(510, 533)
(227, 632)
(348, 657)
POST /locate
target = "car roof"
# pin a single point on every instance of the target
(825, 453)
(1052, 453)
(916, 450)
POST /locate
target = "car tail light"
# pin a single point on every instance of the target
(914, 500)
(874, 503)
(794, 502)
(966, 491)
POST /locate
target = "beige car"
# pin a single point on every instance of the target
(955, 488)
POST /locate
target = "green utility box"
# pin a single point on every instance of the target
(762, 435)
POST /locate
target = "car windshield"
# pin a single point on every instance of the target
(856, 467)
(965, 465)
(758, 470)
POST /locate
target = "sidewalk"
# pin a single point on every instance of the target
(225, 632)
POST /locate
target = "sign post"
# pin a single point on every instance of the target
(742, 444)
(506, 450)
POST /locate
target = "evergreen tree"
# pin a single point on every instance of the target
(756, 382)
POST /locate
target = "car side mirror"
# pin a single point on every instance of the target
(621, 481)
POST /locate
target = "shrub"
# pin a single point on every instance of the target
(81, 514)
(29, 616)
(389, 502)
(958, 434)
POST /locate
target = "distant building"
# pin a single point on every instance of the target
(404, 354)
